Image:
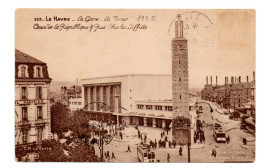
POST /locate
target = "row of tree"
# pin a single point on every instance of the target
(62, 122)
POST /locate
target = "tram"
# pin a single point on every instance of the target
(145, 154)
(218, 134)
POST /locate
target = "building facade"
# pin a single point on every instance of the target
(233, 94)
(70, 92)
(142, 99)
(75, 104)
(32, 103)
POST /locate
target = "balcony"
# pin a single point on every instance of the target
(24, 123)
(40, 121)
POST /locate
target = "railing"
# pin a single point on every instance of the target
(24, 123)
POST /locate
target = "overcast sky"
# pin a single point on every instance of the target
(225, 48)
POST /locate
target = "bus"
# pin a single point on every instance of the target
(145, 154)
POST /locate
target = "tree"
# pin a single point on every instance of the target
(83, 153)
(80, 125)
(60, 120)
(52, 151)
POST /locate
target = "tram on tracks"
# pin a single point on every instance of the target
(145, 153)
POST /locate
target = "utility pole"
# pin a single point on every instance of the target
(101, 139)
(189, 151)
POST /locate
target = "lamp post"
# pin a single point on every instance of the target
(117, 115)
(101, 139)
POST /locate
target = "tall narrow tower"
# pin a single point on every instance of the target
(180, 85)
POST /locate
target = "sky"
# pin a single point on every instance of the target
(220, 43)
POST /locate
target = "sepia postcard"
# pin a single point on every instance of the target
(135, 85)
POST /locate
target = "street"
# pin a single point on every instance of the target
(235, 151)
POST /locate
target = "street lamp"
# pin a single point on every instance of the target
(117, 115)
(101, 129)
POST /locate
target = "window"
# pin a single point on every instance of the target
(158, 107)
(39, 112)
(79, 103)
(179, 61)
(38, 92)
(39, 135)
(130, 98)
(23, 92)
(24, 114)
(38, 72)
(179, 79)
(25, 136)
(149, 107)
(23, 71)
(180, 97)
(168, 108)
(140, 106)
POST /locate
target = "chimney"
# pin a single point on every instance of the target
(246, 79)
(239, 79)
(211, 80)
(207, 80)
(227, 79)
(216, 80)
(232, 79)
(253, 75)
(235, 79)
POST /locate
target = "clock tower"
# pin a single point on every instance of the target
(180, 86)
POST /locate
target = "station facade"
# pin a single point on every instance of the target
(135, 99)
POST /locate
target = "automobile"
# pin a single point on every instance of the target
(243, 126)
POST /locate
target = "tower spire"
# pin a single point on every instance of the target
(179, 27)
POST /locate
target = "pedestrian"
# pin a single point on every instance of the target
(93, 149)
(108, 154)
(168, 157)
(181, 143)
(170, 144)
(121, 135)
(128, 149)
(113, 156)
(145, 137)
(244, 141)
(228, 139)
(166, 138)
(215, 153)
(105, 155)
(161, 135)
(180, 151)
(174, 143)
(194, 139)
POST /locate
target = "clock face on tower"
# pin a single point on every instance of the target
(179, 49)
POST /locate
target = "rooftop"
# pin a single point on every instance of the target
(125, 75)
(21, 57)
